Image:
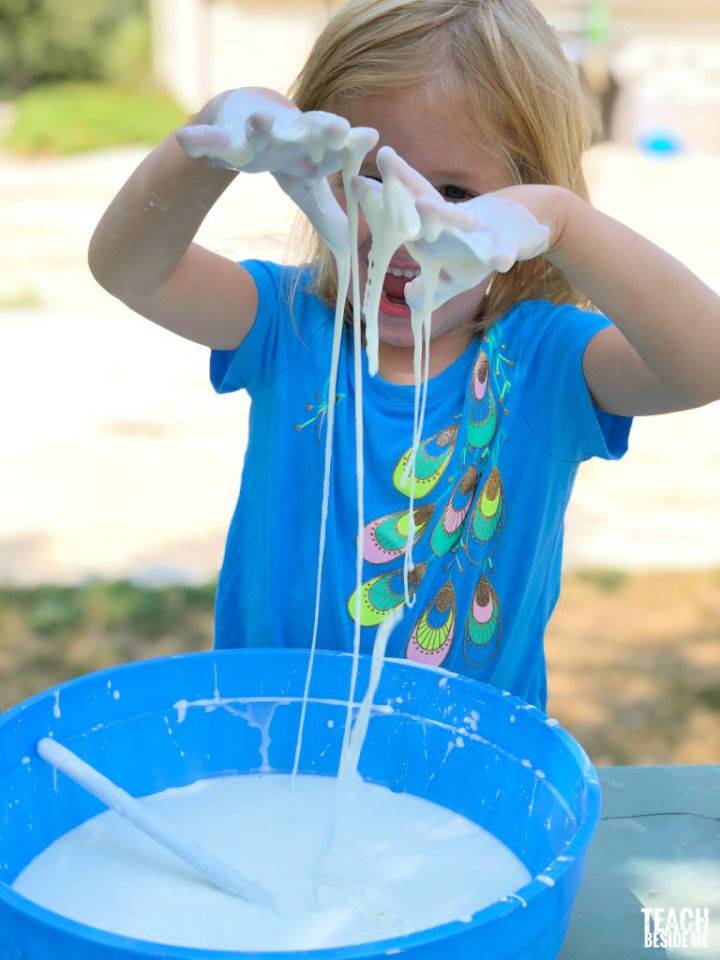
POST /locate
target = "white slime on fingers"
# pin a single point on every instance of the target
(457, 247)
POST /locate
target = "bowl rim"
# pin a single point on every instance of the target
(518, 900)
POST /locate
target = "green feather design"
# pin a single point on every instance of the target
(449, 527)
(432, 637)
(489, 506)
(483, 414)
(483, 625)
(383, 594)
(385, 538)
(429, 466)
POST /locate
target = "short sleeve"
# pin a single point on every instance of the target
(557, 404)
(273, 340)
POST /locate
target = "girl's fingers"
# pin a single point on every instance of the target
(364, 188)
(369, 196)
(362, 139)
(202, 140)
(415, 293)
(259, 123)
(447, 213)
(391, 164)
(335, 130)
(324, 120)
(502, 260)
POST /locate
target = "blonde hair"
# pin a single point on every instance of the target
(504, 61)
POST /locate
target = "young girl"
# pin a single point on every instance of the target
(527, 379)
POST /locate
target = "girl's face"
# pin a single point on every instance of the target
(431, 141)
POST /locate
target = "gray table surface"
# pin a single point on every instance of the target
(657, 845)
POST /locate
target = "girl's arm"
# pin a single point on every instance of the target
(665, 353)
(142, 250)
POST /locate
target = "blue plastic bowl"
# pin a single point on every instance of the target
(116, 719)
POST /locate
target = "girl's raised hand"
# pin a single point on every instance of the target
(494, 228)
(467, 240)
(475, 237)
(256, 130)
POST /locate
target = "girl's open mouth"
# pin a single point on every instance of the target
(392, 300)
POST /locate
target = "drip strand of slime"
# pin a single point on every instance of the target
(453, 257)
(345, 262)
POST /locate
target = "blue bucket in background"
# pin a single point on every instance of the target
(660, 142)
(519, 776)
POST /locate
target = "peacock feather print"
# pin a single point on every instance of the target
(487, 514)
(433, 456)
(483, 624)
(432, 637)
(448, 529)
(460, 469)
(482, 408)
(383, 594)
(385, 538)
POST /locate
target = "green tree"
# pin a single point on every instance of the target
(46, 41)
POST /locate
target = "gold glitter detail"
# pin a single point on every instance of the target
(469, 480)
(447, 435)
(423, 513)
(445, 597)
(483, 593)
(481, 368)
(416, 575)
(492, 485)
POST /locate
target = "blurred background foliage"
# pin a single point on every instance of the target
(73, 117)
(50, 41)
(80, 75)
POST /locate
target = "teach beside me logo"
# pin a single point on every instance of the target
(681, 928)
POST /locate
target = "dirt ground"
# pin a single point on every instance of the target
(634, 665)
(633, 659)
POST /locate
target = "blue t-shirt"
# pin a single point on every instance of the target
(506, 426)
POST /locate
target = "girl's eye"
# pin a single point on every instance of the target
(451, 192)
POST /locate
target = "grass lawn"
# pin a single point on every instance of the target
(70, 118)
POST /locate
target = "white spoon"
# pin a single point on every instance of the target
(205, 863)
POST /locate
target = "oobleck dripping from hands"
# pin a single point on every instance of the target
(455, 246)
